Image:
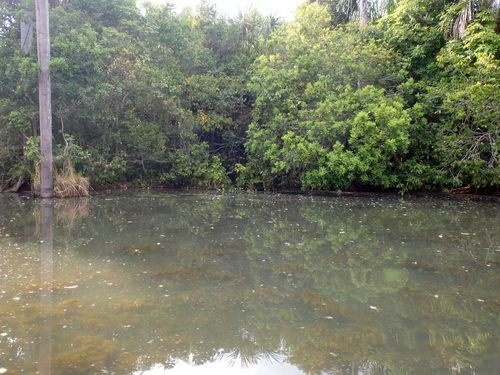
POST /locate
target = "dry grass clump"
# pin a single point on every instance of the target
(70, 185)
(67, 184)
(35, 184)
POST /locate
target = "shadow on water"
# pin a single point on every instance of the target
(156, 283)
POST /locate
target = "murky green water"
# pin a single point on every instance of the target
(185, 283)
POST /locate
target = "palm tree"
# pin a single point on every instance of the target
(343, 11)
(467, 12)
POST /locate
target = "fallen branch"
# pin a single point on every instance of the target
(17, 186)
(4, 186)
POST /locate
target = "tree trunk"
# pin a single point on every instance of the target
(363, 20)
(363, 12)
(44, 95)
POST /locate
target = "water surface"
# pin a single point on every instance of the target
(159, 283)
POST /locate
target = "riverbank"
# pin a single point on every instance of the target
(459, 196)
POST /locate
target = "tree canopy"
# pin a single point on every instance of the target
(150, 96)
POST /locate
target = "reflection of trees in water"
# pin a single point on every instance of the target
(247, 357)
(254, 275)
(380, 263)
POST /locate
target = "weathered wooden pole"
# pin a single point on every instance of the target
(44, 97)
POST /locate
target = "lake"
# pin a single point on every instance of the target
(164, 283)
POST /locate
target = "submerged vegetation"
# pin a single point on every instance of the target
(408, 101)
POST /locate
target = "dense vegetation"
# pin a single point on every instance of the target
(407, 102)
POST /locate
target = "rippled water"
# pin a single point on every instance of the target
(186, 283)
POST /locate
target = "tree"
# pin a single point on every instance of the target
(467, 10)
(156, 97)
(45, 98)
(313, 128)
(363, 12)
(469, 85)
(343, 11)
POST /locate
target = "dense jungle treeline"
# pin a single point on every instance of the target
(144, 95)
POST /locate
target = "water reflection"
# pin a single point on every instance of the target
(164, 283)
(46, 276)
(226, 365)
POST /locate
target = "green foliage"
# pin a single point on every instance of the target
(146, 95)
(344, 11)
(196, 168)
(434, 124)
(198, 99)
(472, 115)
(313, 127)
(25, 168)
(414, 30)
(32, 150)
(106, 173)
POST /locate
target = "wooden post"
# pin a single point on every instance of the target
(44, 97)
